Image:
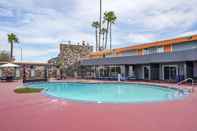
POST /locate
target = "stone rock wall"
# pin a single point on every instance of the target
(70, 54)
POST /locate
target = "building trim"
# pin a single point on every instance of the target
(179, 56)
(139, 47)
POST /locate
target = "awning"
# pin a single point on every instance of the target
(9, 65)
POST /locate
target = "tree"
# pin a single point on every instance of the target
(96, 25)
(100, 23)
(110, 18)
(12, 38)
(4, 56)
(61, 66)
(103, 31)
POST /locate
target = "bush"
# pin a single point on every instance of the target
(4, 56)
(27, 90)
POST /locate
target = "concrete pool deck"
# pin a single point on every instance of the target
(35, 112)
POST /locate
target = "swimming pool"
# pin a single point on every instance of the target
(108, 92)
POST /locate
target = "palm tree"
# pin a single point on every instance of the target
(61, 66)
(96, 25)
(100, 23)
(110, 18)
(103, 31)
(12, 38)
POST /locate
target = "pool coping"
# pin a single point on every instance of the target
(44, 93)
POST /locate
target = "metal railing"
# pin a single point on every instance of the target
(183, 81)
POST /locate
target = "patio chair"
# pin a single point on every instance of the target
(3, 78)
(131, 78)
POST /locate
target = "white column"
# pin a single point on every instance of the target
(131, 72)
(32, 73)
(123, 70)
(17, 72)
(0, 73)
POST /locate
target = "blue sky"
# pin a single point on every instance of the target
(42, 24)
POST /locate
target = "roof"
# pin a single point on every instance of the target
(26, 63)
(148, 45)
(31, 63)
(179, 56)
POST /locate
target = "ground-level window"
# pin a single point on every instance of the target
(170, 72)
(108, 71)
(146, 70)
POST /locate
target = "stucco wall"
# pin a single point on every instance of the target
(195, 69)
(138, 71)
(131, 53)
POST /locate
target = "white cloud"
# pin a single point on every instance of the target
(33, 53)
(141, 38)
(189, 33)
(5, 13)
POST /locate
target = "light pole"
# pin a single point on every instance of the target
(100, 25)
(21, 51)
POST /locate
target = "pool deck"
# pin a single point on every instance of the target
(35, 112)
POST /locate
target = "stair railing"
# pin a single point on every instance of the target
(183, 81)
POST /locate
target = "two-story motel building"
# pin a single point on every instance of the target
(171, 60)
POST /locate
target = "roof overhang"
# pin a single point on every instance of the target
(179, 56)
(27, 63)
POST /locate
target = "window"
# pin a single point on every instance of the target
(153, 50)
(32, 73)
(160, 50)
(0, 73)
(170, 72)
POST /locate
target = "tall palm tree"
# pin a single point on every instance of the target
(103, 31)
(100, 23)
(110, 18)
(12, 38)
(96, 25)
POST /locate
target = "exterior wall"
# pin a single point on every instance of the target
(70, 54)
(73, 52)
(184, 46)
(169, 45)
(17, 72)
(181, 70)
(160, 72)
(27, 72)
(155, 71)
(141, 52)
(130, 53)
(138, 71)
(172, 54)
(34, 72)
(123, 70)
(168, 48)
(195, 69)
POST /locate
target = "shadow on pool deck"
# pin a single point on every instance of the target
(35, 112)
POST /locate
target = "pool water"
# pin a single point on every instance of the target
(108, 93)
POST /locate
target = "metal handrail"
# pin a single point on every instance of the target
(179, 83)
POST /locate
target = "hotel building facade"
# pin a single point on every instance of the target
(169, 60)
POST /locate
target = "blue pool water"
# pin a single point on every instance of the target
(108, 93)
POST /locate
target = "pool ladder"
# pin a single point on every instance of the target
(183, 81)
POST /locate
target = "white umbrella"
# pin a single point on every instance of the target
(9, 65)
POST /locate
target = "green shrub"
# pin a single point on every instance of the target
(27, 90)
